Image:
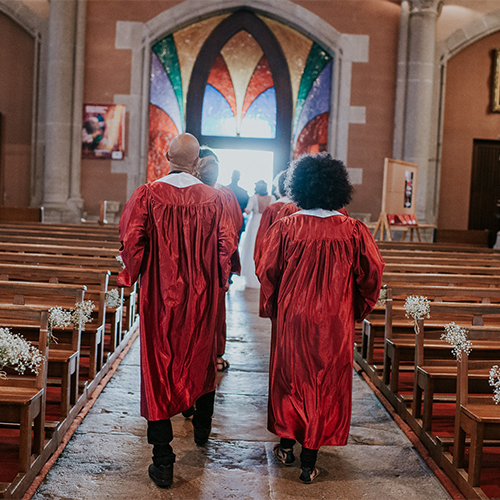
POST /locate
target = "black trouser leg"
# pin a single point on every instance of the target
(160, 436)
(308, 458)
(202, 418)
(287, 444)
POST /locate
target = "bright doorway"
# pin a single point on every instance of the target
(253, 165)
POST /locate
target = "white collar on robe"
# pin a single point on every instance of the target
(180, 180)
(318, 212)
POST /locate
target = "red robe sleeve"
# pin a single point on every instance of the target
(266, 222)
(227, 242)
(368, 271)
(133, 228)
(269, 270)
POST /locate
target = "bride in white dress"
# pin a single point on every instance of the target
(256, 205)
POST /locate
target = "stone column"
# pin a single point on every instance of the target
(419, 93)
(60, 72)
(399, 112)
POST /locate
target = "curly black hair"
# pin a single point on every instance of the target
(318, 181)
(279, 182)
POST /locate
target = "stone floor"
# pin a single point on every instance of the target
(108, 455)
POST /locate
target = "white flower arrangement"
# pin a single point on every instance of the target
(58, 318)
(456, 336)
(382, 299)
(494, 381)
(417, 307)
(113, 299)
(120, 260)
(82, 313)
(18, 354)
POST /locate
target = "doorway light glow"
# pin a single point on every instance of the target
(253, 165)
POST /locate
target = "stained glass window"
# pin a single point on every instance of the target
(240, 97)
(240, 100)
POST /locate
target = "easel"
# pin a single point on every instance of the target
(399, 198)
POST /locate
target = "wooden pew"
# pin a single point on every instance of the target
(477, 416)
(438, 374)
(65, 353)
(96, 282)
(22, 398)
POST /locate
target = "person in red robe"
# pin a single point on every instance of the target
(208, 173)
(321, 272)
(176, 236)
(270, 214)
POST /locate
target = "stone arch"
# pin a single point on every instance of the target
(140, 37)
(468, 34)
(22, 15)
(459, 40)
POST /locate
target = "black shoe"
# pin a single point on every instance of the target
(163, 476)
(308, 475)
(188, 413)
(285, 456)
(201, 435)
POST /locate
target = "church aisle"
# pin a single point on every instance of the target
(108, 455)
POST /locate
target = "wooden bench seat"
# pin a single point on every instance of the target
(22, 398)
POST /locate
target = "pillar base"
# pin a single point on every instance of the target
(64, 213)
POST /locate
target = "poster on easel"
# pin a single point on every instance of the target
(399, 197)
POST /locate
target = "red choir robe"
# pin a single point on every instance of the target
(287, 209)
(232, 206)
(177, 237)
(318, 276)
(269, 216)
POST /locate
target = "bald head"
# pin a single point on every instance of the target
(183, 153)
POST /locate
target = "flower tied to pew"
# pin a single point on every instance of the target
(494, 381)
(456, 336)
(17, 353)
(120, 260)
(417, 307)
(61, 318)
(58, 318)
(113, 299)
(82, 313)
(382, 299)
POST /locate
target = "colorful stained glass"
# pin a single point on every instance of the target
(260, 119)
(318, 100)
(220, 79)
(262, 80)
(217, 117)
(316, 62)
(161, 132)
(296, 48)
(167, 54)
(242, 54)
(188, 42)
(314, 137)
(162, 93)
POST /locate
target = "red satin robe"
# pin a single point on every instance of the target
(232, 206)
(318, 275)
(180, 241)
(268, 217)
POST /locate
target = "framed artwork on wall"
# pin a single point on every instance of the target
(495, 91)
(103, 131)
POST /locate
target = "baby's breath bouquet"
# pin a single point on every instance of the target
(417, 307)
(120, 260)
(113, 299)
(17, 353)
(457, 337)
(82, 313)
(58, 318)
(495, 383)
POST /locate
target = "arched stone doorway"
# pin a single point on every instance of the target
(141, 38)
